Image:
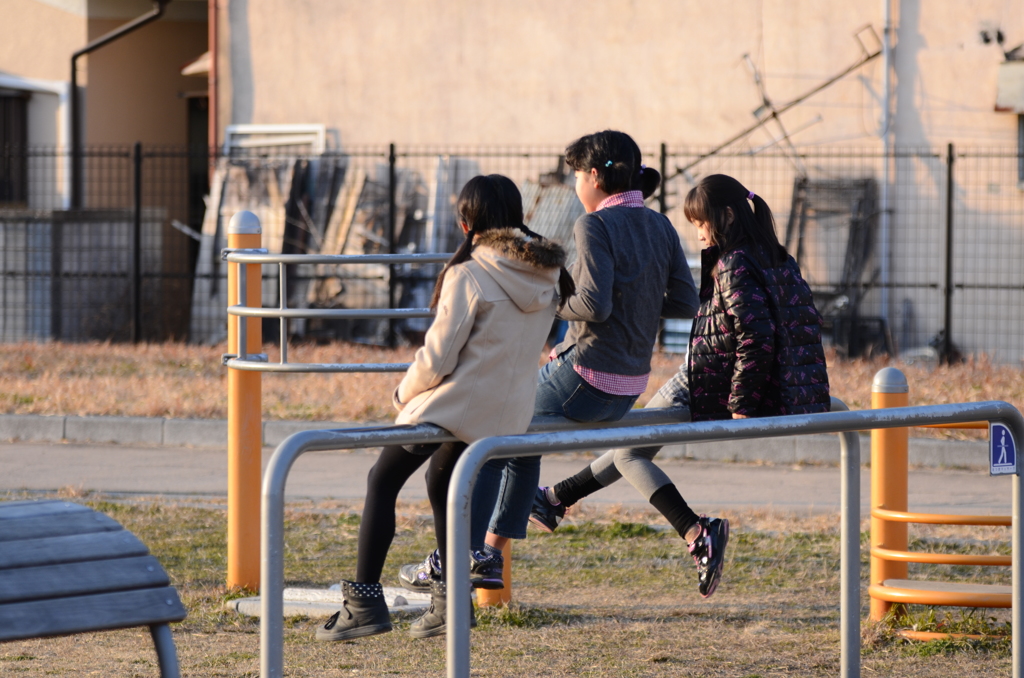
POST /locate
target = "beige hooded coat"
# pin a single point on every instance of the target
(476, 374)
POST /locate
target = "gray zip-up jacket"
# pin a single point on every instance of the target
(630, 272)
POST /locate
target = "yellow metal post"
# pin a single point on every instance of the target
(245, 431)
(499, 597)
(888, 483)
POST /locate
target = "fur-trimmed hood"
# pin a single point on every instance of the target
(526, 268)
(512, 243)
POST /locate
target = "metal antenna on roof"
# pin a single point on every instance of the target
(867, 55)
(767, 112)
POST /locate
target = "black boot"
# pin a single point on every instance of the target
(364, 613)
(434, 621)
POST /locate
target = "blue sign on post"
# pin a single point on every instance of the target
(1002, 451)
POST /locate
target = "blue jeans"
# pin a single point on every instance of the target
(505, 488)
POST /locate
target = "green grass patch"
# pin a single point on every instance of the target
(518, 616)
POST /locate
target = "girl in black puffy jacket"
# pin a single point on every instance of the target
(755, 351)
(755, 347)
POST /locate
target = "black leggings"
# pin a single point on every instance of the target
(385, 481)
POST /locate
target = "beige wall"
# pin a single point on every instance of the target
(131, 86)
(134, 83)
(36, 39)
(476, 71)
(946, 77)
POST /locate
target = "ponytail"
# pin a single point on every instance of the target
(647, 181)
(462, 254)
(566, 285)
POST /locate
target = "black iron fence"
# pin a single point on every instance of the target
(955, 236)
(141, 260)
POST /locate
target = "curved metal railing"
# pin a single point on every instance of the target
(259, 362)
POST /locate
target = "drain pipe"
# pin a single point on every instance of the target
(75, 112)
(885, 212)
(212, 84)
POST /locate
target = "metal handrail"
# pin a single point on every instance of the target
(846, 423)
(940, 558)
(259, 363)
(624, 433)
(254, 257)
(276, 475)
(940, 518)
(460, 492)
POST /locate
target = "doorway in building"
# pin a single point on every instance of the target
(198, 159)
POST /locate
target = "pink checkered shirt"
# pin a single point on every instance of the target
(616, 384)
(624, 199)
(609, 382)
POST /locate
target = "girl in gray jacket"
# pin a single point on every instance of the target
(630, 272)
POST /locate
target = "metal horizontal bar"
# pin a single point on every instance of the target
(940, 558)
(241, 257)
(317, 368)
(879, 285)
(346, 313)
(940, 519)
(276, 475)
(982, 286)
(926, 636)
(460, 490)
(951, 598)
(765, 427)
(970, 424)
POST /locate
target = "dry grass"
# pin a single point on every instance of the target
(186, 382)
(183, 381)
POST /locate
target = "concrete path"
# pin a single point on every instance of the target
(707, 485)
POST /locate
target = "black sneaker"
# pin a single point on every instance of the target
(417, 576)
(544, 514)
(485, 571)
(708, 552)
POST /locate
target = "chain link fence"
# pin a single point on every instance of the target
(141, 260)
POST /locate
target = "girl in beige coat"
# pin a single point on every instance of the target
(476, 376)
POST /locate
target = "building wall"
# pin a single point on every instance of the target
(135, 85)
(479, 72)
(131, 87)
(486, 71)
(37, 39)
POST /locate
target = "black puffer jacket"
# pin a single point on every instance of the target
(756, 347)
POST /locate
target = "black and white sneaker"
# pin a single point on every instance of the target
(544, 514)
(417, 576)
(485, 571)
(708, 551)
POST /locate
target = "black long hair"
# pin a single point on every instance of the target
(707, 202)
(489, 202)
(618, 162)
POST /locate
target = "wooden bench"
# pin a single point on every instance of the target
(67, 569)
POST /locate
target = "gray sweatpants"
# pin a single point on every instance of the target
(636, 465)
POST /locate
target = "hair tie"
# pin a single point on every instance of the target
(642, 168)
(608, 164)
(750, 195)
